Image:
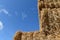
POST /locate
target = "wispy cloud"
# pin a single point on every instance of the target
(24, 15)
(1, 25)
(3, 10)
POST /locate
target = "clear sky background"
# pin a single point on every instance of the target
(17, 15)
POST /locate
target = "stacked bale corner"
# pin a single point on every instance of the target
(49, 20)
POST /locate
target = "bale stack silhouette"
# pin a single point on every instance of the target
(49, 19)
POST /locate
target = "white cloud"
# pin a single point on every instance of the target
(24, 15)
(1, 25)
(3, 10)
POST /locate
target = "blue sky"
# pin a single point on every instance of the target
(17, 15)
